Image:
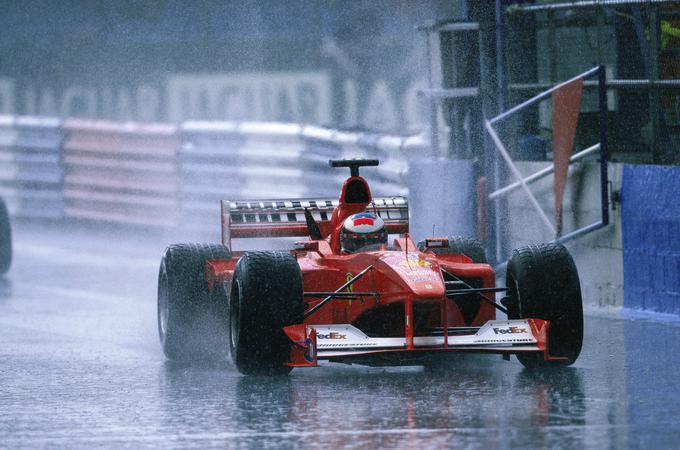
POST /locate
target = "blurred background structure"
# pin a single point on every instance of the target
(349, 64)
(354, 65)
(146, 113)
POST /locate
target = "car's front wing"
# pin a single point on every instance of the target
(311, 343)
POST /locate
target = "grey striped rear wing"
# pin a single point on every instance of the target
(280, 218)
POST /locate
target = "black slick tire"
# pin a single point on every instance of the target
(192, 323)
(470, 247)
(543, 283)
(266, 295)
(5, 239)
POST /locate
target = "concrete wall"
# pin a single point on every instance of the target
(598, 255)
(440, 193)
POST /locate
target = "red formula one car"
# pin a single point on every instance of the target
(403, 304)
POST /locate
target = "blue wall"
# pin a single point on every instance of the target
(651, 238)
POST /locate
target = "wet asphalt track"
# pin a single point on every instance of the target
(80, 367)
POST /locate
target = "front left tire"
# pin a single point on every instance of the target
(543, 283)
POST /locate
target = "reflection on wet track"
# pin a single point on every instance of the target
(80, 366)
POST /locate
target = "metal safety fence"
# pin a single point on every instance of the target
(31, 177)
(566, 98)
(121, 172)
(163, 175)
(253, 160)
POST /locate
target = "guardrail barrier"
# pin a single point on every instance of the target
(220, 160)
(121, 172)
(31, 177)
(162, 175)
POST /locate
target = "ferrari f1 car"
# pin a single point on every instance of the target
(402, 304)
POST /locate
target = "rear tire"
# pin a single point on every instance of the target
(544, 284)
(192, 323)
(470, 247)
(266, 295)
(5, 239)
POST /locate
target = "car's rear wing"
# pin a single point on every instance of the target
(282, 218)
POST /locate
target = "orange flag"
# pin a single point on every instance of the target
(566, 102)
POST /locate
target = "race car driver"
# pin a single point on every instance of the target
(363, 231)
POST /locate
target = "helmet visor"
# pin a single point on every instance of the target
(352, 242)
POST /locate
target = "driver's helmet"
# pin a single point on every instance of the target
(362, 231)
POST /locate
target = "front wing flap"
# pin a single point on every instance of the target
(326, 342)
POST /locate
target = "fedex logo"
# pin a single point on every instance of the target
(331, 335)
(511, 330)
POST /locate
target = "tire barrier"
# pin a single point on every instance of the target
(162, 175)
(124, 173)
(31, 178)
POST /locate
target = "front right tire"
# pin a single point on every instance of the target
(470, 247)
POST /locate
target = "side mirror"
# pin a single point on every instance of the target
(437, 243)
(307, 246)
